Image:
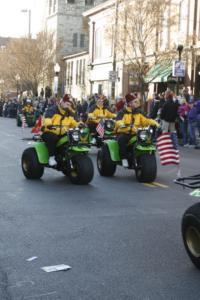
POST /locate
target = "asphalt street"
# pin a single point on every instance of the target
(121, 238)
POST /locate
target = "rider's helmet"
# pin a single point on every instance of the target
(66, 102)
(132, 101)
(101, 100)
(28, 101)
(129, 98)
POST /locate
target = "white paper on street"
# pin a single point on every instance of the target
(32, 258)
(56, 268)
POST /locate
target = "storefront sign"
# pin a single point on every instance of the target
(178, 68)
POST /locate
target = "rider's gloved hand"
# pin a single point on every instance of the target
(81, 125)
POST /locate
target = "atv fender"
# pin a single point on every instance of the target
(113, 147)
(42, 152)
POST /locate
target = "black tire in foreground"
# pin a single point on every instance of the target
(31, 167)
(191, 233)
(105, 165)
(83, 170)
(146, 170)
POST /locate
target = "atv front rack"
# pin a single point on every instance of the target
(192, 182)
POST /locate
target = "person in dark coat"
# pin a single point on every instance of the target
(192, 123)
(169, 113)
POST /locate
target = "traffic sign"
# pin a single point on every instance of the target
(113, 76)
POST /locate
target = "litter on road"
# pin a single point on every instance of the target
(56, 268)
(32, 258)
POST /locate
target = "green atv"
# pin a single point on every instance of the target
(141, 156)
(96, 138)
(71, 157)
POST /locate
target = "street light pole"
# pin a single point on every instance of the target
(17, 78)
(57, 71)
(29, 21)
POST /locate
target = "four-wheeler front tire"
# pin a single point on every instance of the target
(191, 233)
(146, 169)
(31, 167)
(105, 165)
(82, 171)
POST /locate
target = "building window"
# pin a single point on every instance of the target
(71, 75)
(98, 43)
(75, 39)
(82, 40)
(183, 15)
(77, 69)
(84, 71)
(71, 1)
(54, 6)
(50, 5)
(80, 72)
(89, 2)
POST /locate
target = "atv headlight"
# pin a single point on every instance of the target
(143, 135)
(109, 125)
(76, 136)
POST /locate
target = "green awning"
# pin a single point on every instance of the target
(159, 73)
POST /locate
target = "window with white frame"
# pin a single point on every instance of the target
(75, 39)
(98, 43)
(82, 40)
(50, 6)
(183, 15)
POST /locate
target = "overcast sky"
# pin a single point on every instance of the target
(14, 23)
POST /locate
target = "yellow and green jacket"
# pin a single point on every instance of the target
(28, 109)
(133, 120)
(61, 118)
(100, 112)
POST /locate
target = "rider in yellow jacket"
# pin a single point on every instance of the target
(28, 107)
(128, 121)
(99, 111)
(64, 119)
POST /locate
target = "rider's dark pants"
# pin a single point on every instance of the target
(51, 140)
(123, 140)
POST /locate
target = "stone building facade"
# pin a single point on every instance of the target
(64, 18)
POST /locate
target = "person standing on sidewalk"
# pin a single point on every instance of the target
(183, 120)
(169, 113)
(192, 124)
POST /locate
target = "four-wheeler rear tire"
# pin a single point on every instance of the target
(146, 169)
(82, 171)
(105, 165)
(191, 233)
(31, 167)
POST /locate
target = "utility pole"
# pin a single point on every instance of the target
(194, 42)
(114, 49)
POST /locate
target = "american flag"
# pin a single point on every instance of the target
(100, 128)
(167, 144)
